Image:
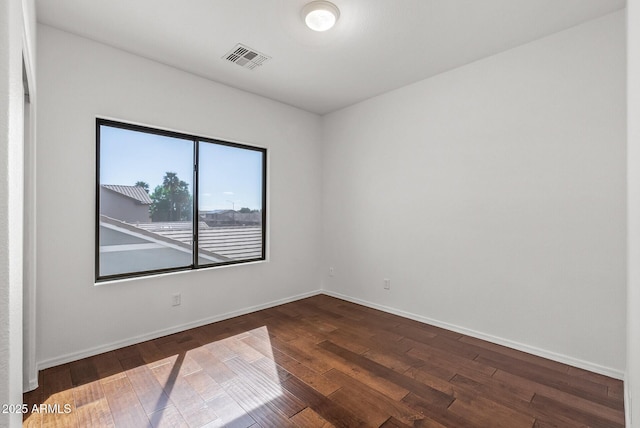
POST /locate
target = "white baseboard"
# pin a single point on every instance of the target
(575, 362)
(74, 356)
(33, 384)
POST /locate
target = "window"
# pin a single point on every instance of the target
(167, 201)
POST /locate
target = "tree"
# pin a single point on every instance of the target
(143, 184)
(245, 210)
(171, 200)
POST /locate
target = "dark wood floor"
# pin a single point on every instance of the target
(322, 362)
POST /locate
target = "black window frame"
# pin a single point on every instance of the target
(195, 214)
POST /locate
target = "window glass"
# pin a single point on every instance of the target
(230, 198)
(146, 209)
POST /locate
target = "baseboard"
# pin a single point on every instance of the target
(74, 356)
(575, 362)
(31, 385)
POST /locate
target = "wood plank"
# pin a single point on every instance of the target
(369, 399)
(267, 389)
(87, 393)
(273, 371)
(344, 309)
(286, 325)
(400, 381)
(126, 410)
(95, 414)
(348, 341)
(168, 417)
(438, 413)
(330, 410)
(398, 363)
(304, 353)
(31, 420)
(503, 395)
(148, 390)
(212, 366)
(427, 422)
(127, 352)
(220, 349)
(56, 381)
(83, 371)
(296, 368)
(204, 385)
(394, 423)
(330, 355)
(439, 331)
(583, 416)
(230, 413)
(32, 398)
(254, 404)
(488, 413)
(559, 381)
(433, 377)
(150, 353)
(594, 377)
(421, 332)
(242, 350)
(492, 387)
(58, 417)
(514, 353)
(574, 401)
(372, 416)
(438, 357)
(455, 347)
(198, 415)
(107, 365)
(616, 391)
(180, 392)
(132, 362)
(309, 418)
(58, 393)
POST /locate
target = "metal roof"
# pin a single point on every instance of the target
(133, 192)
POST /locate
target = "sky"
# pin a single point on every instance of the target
(230, 177)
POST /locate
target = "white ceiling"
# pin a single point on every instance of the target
(376, 46)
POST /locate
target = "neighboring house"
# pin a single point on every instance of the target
(125, 203)
(231, 217)
(251, 218)
(218, 217)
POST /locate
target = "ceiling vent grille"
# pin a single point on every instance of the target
(246, 57)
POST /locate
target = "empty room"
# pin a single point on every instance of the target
(274, 213)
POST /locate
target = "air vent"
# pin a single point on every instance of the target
(246, 57)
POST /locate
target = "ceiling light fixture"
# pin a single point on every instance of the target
(320, 15)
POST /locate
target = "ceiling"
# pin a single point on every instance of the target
(376, 45)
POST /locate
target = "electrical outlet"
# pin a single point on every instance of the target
(387, 284)
(176, 299)
(332, 271)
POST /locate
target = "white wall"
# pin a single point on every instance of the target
(493, 197)
(15, 34)
(79, 80)
(632, 379)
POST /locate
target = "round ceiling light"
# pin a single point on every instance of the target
(320, 15)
